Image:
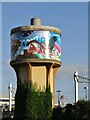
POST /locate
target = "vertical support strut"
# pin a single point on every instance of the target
(76, 85)
(10, 96)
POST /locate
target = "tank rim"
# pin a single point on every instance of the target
(37, 28)
(55, 63)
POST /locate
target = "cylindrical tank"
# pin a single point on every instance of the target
(35, 41)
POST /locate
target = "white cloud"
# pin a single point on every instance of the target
(8, 76)
(66, 72)
(64, 81)
(0, 88)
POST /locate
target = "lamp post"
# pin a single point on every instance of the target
(10, 96)
(58, 91)
(86, 96)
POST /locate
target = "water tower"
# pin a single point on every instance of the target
(36, 53)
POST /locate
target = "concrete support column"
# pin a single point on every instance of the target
(41, 74)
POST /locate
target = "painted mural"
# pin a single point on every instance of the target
(35, 44)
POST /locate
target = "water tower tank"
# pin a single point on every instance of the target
(35, 42)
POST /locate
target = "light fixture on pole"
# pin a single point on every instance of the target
(86, 96)
(58, 91)
(10, 96)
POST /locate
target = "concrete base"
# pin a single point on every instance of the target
(40, 72)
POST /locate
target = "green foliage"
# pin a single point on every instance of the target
(58, 113)
(32, 103)
(38, 103)
(48, 103)
(78, 111)
(82, 110)
(20, 99)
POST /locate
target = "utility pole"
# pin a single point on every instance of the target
(84, 80)
(10, 96)
(76, 85)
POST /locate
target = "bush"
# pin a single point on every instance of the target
(32, 103)
(78, 111)
(38, 103)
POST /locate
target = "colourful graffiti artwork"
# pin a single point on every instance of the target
(35, 44)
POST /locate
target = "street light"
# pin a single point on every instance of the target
(86, 96)
(10, 96)
(58, 91)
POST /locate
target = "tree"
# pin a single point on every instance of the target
(28, 102)
(48, 103)
(38, 103)
(82, 110)
(20, 99)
